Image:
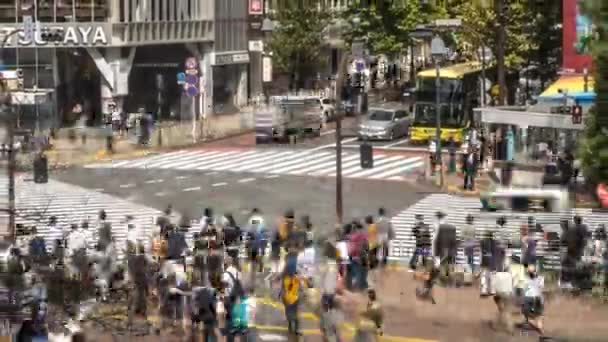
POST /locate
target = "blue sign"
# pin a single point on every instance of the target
(192, 79)
(192, 91)
(360, 66)
(181, 77)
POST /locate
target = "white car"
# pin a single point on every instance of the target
(328, 109)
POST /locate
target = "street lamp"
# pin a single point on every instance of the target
(439, 52)
(267, 28)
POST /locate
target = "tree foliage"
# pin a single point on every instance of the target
(593, 148)
(387, 26)
(478, 28)
(298, 37)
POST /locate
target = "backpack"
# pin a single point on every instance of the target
(237, 288)
(240, 316)
(203, 304)
(291, 289)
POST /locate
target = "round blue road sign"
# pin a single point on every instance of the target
(192, 91)
(181, 77)
(191, 79)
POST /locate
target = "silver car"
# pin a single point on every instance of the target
(385, 124)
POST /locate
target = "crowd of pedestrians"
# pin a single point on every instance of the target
(509, 265)
(206, 272)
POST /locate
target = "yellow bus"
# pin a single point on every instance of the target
(459, 94)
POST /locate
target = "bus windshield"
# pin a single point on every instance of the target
(452, 116)
(450, 90)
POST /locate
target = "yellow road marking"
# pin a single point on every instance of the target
(308, 332)
(312, 316)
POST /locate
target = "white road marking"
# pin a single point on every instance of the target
(322, 147)
(272, 337)
(159, 194)
(263, 161)
(226, 160)
(331, 166)
(246, 180)
(182, 177)
(399, 170)
(219, 184)
(398, 142)
(125, 186)
(196, 188)
(155, 181)
(328, 132)
(186, 164)
(211, 173)
(99, 189)
(272, 176)
(321, 162)
(388, 164)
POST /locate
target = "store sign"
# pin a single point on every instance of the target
(255, 7)
(236, 58)
(256, 45)
(267, 69)
(73, 35)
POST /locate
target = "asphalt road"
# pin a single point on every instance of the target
(189, 192)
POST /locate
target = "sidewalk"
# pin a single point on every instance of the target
(170, 135)
(461, 315)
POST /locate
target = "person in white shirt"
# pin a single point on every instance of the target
(385, 233)
(134, 234)
(533, 300)
(54, 233)
(229, 278)
(76, 250)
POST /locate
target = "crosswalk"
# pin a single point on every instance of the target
(36, 203)
(457, 208)
(293, 162)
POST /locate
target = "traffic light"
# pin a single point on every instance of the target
(20, 79)
(577, 114)
(366, 155)
(51, 36)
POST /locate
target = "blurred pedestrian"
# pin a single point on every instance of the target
(385, 234)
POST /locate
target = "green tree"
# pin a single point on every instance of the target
(479, 27)
(298, 38)
(387, 25)
(593, 148)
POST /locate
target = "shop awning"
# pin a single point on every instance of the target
(573, 86)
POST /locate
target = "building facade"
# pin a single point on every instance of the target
(128, 53)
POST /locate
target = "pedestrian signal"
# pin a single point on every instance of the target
(577, 115)
(366, 156)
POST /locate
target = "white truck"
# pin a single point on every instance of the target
(295, 117)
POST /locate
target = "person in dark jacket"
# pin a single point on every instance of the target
(470, 170)
(176, 244)
(446, 244)
(417, 234)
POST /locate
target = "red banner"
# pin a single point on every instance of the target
(602, 195)
(256, 7)
(577, 32)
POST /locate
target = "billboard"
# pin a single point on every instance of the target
(577, 34)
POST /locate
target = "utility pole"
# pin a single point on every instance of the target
(5, 103)
(339, 88)
(11, 173)
(499, 8)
